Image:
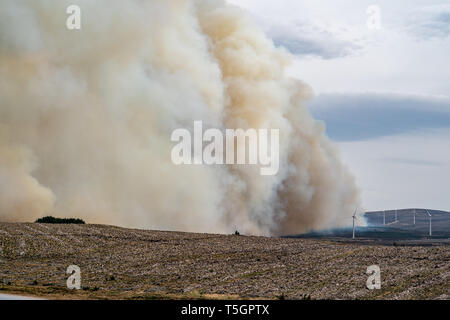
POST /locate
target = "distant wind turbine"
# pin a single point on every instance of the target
(354, 218)
(384, 217)
(414, 216)
(429, 215)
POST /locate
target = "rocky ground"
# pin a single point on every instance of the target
(119, 263)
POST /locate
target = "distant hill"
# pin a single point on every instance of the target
(440, 222)
(401, 229)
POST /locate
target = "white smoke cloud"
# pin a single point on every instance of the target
(86, 118)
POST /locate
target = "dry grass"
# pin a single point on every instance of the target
(119, 263)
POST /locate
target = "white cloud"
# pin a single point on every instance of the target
(309, 39)
(358, 59)
(429, 22)
(304, 30)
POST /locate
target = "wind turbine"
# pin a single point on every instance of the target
(384, 217)
(396, 215)
(354, 218)
(414, 216)
(429, 215)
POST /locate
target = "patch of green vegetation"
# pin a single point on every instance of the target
(50, 219)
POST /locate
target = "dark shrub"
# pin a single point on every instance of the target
(50, 219)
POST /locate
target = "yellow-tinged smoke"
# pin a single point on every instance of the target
(86, 118)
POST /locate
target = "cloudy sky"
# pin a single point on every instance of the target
(384, 93)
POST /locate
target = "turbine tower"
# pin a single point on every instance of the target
(396, 215)
(429, 215)
(354, 218)
(414, 216)
(384, 217)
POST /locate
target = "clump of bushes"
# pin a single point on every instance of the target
(51, 219)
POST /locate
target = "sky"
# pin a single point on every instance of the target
(383, 93)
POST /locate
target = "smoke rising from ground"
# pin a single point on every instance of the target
(86, 118)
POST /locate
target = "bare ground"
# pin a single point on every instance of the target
(119, 263)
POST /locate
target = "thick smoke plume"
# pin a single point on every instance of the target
(86, 118)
